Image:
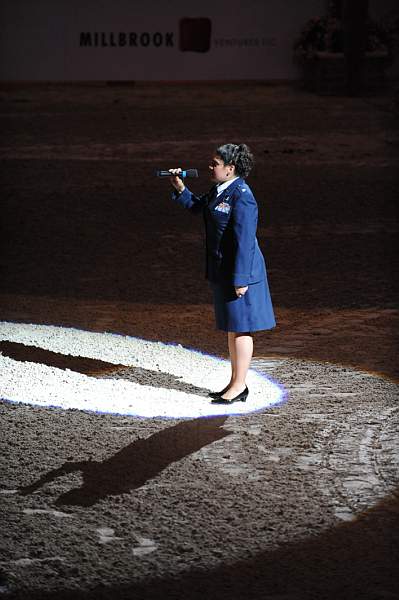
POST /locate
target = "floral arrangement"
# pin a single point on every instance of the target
(325, 34)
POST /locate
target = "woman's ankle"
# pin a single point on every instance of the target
(238, 385)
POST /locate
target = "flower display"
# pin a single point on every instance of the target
(326, 34)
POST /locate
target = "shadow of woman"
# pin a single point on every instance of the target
(133, 466)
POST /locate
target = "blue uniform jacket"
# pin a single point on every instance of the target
(232, 251)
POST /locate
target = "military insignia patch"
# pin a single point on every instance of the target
(223, 207)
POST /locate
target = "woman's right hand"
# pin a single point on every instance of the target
(176, 181)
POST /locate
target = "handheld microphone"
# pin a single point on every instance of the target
(182, 174)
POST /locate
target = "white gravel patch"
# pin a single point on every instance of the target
(42, 511)
(39, 384)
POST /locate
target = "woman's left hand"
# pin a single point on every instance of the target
(240, 291)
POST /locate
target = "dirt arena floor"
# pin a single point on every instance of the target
(299, 501)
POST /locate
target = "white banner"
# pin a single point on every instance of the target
(144, 40)
(138, 40)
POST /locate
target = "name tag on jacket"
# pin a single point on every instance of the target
(223, 207)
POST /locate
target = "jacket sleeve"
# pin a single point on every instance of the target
(245, 220)
(188, 200)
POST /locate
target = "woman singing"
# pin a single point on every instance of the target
(235, 265)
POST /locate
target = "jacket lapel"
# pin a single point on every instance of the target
(214, 201)
(212, 195)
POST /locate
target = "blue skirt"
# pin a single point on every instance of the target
(251, 312)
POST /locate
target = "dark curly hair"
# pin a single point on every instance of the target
(238, 155)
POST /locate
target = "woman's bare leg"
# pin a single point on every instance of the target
(241, 349)
(233, 355)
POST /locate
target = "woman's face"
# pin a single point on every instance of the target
(219, 171)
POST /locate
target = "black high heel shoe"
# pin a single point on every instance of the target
(240, 398)
(218, 394)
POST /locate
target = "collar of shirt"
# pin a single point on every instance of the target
(222, 186)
